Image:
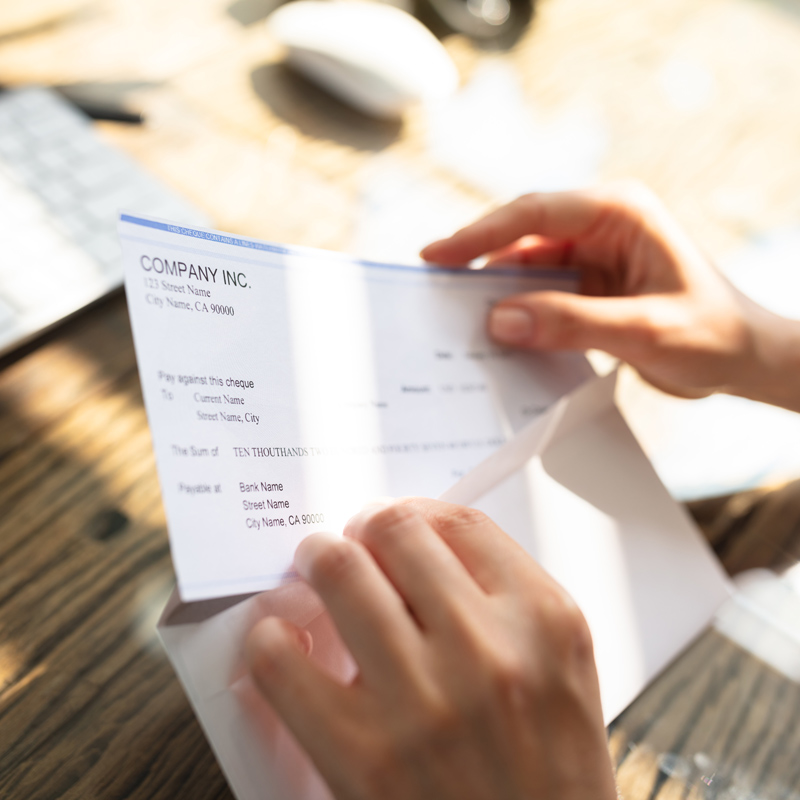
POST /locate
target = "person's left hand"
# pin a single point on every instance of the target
(476, 676)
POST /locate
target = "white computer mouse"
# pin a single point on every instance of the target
(375, 57)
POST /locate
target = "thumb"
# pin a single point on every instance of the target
(561, 321)
(277, 655)
(306, 697)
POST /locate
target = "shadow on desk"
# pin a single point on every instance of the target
(318, 114)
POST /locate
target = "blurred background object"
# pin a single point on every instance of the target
(60, 191)
(492, 23)
(375, 57)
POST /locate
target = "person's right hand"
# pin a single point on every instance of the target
(648, 295)
(475, 670)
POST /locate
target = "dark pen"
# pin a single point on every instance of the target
(110, 110)
(95, 108)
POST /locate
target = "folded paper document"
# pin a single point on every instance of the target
(286, 387)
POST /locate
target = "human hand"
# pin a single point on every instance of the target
(648, 295)
(476, 677)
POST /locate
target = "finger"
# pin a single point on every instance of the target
(367, 611)
(533, 251)
(308, 700)
(488, 553)
(622, 326)
(498, 563)
(424, 570)
(561, 216)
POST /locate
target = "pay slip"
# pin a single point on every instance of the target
(286, 387)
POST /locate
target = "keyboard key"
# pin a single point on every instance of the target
(12, 146)
(76, 225)
(7, 315)
(57, 194)
(50, 126)
(28, 173)
(26, 103)
(54, 160)
(103, 207)
(97, 174)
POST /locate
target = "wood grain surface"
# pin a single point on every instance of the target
(717, 724)
(89, 707)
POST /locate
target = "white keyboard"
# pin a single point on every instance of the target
(61, 188)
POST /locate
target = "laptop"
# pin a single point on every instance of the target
(61, 187)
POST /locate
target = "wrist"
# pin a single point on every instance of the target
(771, 371)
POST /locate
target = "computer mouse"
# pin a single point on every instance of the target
(375, 57)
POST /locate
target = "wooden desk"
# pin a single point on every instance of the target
(89, 707)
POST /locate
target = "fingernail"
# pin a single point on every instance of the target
(304, 640)
(511, 325)
(268, 633)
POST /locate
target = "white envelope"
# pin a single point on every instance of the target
(575, 489)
